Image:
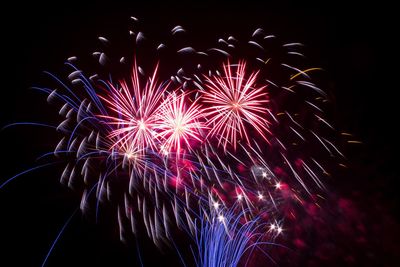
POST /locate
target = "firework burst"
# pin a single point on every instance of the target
(128, 130)
(235, 105)
(178, 123)
(136, 109)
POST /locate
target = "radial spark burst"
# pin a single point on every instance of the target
(236, 104)
(136, 107)
(179, 123)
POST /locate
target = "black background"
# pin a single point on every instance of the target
(354, 44)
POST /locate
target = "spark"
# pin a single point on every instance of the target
(278, 185)
(279, 229)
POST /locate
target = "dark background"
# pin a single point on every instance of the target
(354, 44)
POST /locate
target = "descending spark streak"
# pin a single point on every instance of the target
(236, 103)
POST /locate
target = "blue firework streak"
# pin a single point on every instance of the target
(224, 238)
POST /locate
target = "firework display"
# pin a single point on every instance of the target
(225, 147)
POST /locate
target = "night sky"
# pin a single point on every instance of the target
(354, 44)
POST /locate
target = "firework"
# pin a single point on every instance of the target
(178, 123)
(223, 238)
(244, 145)
(136, 108)
(236, 104)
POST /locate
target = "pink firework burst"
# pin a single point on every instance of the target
(135, 108)
(236, 102)
(179, 122)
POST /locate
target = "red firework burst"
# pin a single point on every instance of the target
(135, 107)
(235, 101)
(179, 123)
